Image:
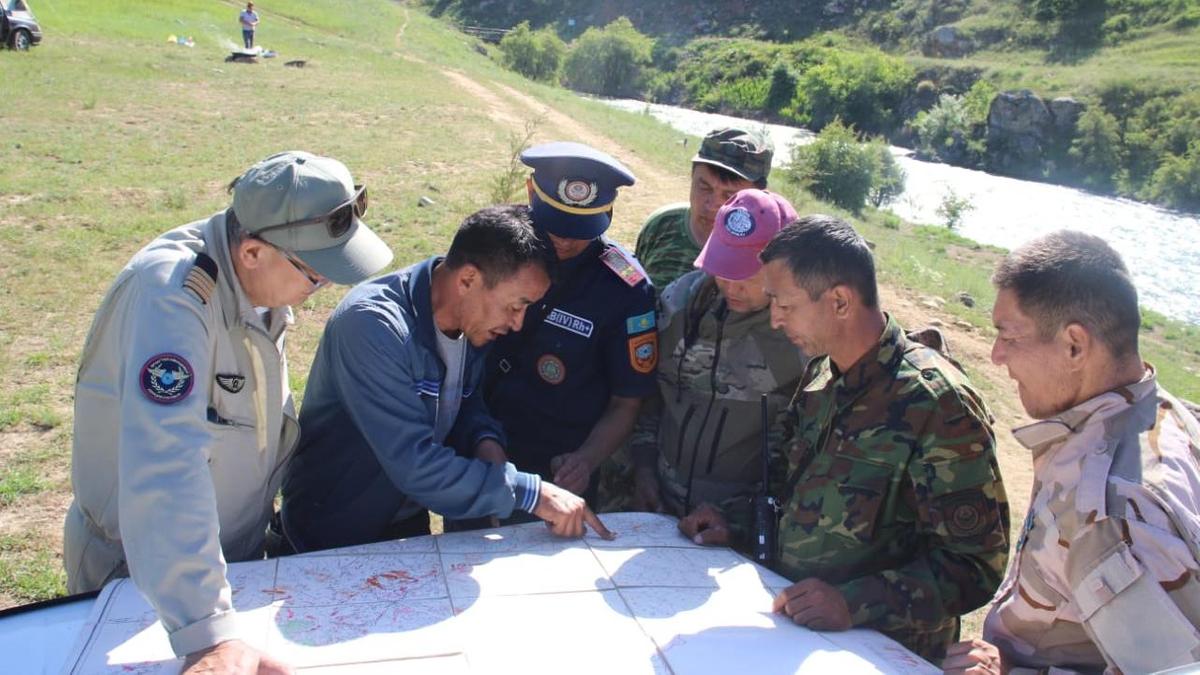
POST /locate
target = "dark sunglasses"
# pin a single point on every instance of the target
(338, 221)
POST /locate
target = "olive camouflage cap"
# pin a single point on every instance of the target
(745, 153)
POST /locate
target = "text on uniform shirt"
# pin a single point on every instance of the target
(569, 322)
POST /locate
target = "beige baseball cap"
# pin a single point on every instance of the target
(309, 206)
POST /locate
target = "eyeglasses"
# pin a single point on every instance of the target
(318, 282)
(336, 222)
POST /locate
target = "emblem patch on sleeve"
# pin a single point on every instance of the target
(643, 352)
(640, 323)
(551, 369)
(166, 378)
(965, 514)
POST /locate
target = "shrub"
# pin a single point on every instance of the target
(1096, 150)
(609, 61)
(782, 88)
(887, 179)
(954, 208)
(536, 54)
(839, 169)
(943, 129)
(1176, 183)
(863, 87)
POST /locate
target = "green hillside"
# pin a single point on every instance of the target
(113, 135)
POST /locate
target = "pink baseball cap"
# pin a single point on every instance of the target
(742, 229)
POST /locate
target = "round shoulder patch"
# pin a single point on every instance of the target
(739, 222)
(166, 378)
(551, 369)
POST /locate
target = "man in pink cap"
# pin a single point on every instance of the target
(697, 444)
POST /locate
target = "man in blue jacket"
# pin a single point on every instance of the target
(393, 422)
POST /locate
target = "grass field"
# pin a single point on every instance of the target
(112, 135)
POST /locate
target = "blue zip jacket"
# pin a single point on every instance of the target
(367, 455)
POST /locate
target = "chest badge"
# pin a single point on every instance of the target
(551, 369)
(166, 378)
(231, 383)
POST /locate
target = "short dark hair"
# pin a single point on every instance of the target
(499, 241)
(822, 252)
(1070, 277)
(725, 176)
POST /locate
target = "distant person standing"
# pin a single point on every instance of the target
(249, 19)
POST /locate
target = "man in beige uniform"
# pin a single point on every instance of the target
(1104, 576)
(183, 417)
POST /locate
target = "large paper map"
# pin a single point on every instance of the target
(508, 600)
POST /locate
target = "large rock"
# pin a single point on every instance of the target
(1065, 111)
(1019, 128)
(947, 41)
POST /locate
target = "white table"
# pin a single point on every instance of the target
(509, 600)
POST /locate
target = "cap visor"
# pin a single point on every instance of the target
(728, 168)
(357, 259)
(567, 225)
(727, 263)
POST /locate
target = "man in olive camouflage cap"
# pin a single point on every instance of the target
(729, 160)
(894, 516)
(1105, 575)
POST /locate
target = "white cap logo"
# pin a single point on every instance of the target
(577, 192)
(739, 222)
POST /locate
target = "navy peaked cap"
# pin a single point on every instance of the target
(573, 188)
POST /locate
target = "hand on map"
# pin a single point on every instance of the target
(233, 657)
(814, 604)
(973, 657)
(572, 470)
(566, 514)
(706, 525)
(645, 490)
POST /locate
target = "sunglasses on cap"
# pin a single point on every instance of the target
(337, 222)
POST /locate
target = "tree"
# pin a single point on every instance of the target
(782, 89)
(863, 87)
(609, 61)
(942, 131)
(1096, 150)
(1176, 183)
(536, 54)
(888, 178)
(839, 169)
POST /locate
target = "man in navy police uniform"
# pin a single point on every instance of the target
(568, 385)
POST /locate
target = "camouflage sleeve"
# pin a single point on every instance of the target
(643, 441)
(962, 519)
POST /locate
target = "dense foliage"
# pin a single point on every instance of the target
(609, 61)
(537, 55)
(838, 168)
(778, 60)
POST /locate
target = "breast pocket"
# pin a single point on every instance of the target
(856, 497)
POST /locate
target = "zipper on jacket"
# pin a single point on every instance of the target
(716, 440)
(683, 427)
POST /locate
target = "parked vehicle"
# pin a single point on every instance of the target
(18, 29)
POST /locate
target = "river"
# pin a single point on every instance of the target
(1162, 247)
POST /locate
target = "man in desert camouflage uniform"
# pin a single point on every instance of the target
(699, 440)
(729, 160)
(1104, 576)
(894, 515)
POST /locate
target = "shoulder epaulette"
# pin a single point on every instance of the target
(623, 265)
(201, 280)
